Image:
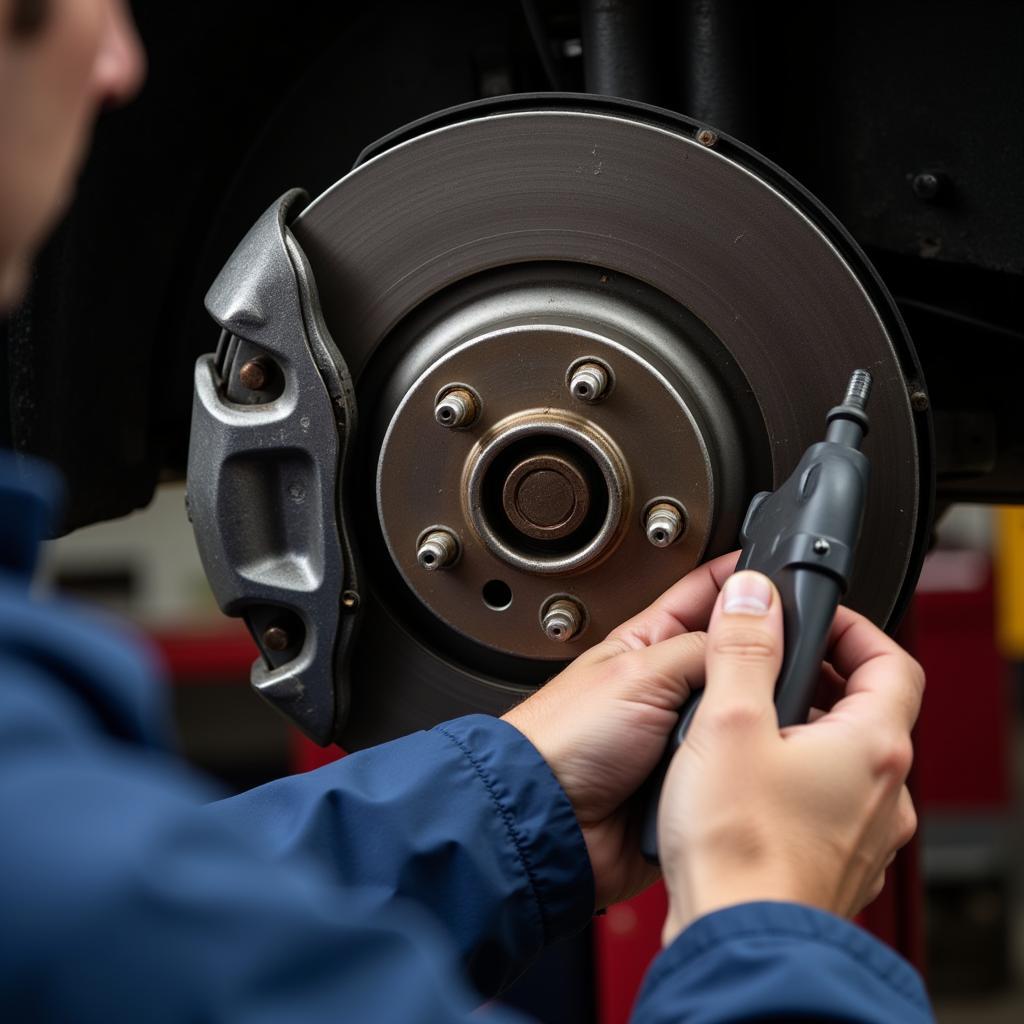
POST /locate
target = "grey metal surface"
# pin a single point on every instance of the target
(263, 479)
(607, 191)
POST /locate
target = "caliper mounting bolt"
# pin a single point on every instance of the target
(562, 619)
(276, 638)
(437, 549)
(456, 407)
(589, 382)
(254, 374)
(664, 524)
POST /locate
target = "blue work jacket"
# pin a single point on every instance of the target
(401, 884)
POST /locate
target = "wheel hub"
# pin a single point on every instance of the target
(582, 334)
(545, 491)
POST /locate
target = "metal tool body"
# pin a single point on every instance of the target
(803, 536)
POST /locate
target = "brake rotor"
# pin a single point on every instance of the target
(583, 334)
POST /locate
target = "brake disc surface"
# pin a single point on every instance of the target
(497, 251)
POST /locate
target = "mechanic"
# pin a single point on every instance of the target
(377, 888)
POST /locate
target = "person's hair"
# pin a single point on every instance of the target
(26, 16)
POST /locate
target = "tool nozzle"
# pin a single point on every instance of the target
(848, 422)
(858, 390)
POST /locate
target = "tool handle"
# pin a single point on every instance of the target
(809, 601)
(802, 537)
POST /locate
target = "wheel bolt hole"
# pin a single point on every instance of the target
(497, 595)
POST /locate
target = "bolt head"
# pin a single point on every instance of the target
(822, 546)
(276, 639)
(919, 401)
(253, 375)
(926, 185)
(707, 137)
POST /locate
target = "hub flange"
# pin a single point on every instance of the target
(544, 485)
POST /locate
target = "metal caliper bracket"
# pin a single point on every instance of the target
(273, 420)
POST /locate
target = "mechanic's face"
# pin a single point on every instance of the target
(53, 80)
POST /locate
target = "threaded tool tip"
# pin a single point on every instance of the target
(858, 389)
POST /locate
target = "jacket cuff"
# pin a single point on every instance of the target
(780, 960)
(537, 817)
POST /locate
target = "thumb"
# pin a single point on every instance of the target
(744, 655)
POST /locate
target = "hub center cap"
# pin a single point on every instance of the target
(546, 496)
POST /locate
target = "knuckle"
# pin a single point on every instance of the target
(732, 718)
(630, 669)
(907, 825)
(876, 887)
(698, 637)
(744, 643)
(894, 756)
(916, 673)
(631, 663)
(615, 646)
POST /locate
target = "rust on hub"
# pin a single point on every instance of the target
(546, 496)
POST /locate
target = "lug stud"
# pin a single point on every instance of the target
(437, 550)
(664, 524)
(589, 382)
(562, 619)
(456, 407)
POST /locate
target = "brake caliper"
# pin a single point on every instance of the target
(272, 426)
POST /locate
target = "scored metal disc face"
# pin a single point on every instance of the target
(606, 190)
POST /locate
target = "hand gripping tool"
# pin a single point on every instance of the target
(803, 537)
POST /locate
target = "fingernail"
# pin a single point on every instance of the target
(746, 593)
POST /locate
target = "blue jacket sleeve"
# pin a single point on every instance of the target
(779, 961)
(123, 898)
(121, 901)
(466, 820)
(126, 895)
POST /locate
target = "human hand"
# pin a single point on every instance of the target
(603, 723)
(810, 814)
